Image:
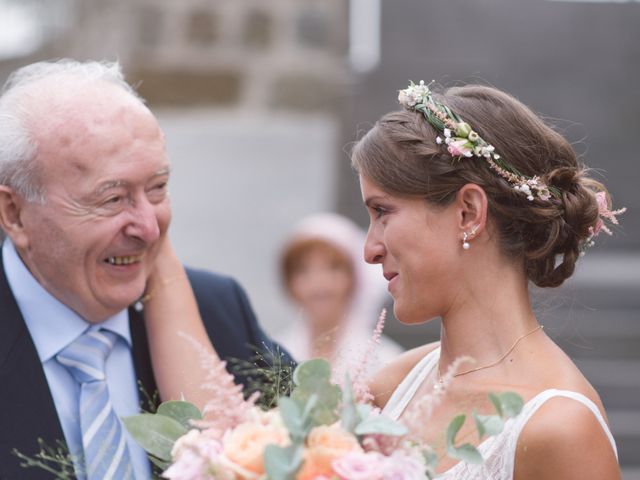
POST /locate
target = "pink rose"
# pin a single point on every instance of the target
(196, 456)
(359, 466)
(244, 445)
(402, 466)
(460, 148)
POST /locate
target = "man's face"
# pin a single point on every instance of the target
(104, 170)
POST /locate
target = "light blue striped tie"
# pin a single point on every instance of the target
(106, 455)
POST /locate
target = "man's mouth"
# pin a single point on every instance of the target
(124, 259)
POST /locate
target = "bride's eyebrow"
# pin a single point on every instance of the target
(373, 199)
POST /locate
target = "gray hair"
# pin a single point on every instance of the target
(18, 148)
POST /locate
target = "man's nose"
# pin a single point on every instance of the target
(374, 249)
(144, 222)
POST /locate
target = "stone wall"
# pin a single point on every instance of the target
(247, 54)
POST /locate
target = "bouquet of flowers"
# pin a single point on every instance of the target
(318, 432)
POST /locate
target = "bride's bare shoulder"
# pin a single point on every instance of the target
(565, 440)
(385, 381)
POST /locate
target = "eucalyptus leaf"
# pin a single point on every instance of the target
(364, 410)
(183, 412)
(511, 403)
(282, 463)
(495, 400)
(454, 427)
(292, 418)
(161, 464)
(349, 416)
(313, 378)
(311, 372)
(380, 424)
(467, 453)
(155, 433)
(488, 424)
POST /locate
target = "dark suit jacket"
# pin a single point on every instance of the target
(27, 411)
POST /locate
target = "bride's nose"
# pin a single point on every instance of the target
(374, 249)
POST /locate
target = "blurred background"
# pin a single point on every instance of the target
(260, 101)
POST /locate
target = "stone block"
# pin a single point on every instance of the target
(313, 27)
(258, 29)
(303, 92)
(150, 25)
(202, 27)
(178, 87)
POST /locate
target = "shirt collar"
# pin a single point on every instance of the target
(51, 323)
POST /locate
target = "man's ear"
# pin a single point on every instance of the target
(472, 204)
(10, 216)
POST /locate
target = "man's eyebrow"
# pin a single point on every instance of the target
(108, 185)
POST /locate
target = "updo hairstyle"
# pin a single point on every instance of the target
(400, 155)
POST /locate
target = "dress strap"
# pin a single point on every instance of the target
(532, 406)
(409, 385)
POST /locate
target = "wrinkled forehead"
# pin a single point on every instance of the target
(80, 108)
(75, 119)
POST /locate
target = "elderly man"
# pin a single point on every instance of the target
(84, 206)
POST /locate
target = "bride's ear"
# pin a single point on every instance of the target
(472, 204)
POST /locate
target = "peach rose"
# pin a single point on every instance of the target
(324, 445)
(244, 445)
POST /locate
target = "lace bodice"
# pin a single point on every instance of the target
(499, 451)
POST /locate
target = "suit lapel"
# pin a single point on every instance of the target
(27, 411)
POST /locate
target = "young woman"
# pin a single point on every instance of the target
(472, 197)
(338, 295)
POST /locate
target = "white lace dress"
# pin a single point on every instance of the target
(499, 451)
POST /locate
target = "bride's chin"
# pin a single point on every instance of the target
(409, 316)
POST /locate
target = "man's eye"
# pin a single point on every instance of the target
(113, 200)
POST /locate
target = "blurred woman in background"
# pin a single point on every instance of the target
(338, 295)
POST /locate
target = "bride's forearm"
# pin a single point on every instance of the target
(172, 318)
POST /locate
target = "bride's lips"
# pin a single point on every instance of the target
(390, 276)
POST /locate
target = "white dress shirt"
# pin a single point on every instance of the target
(53, 326)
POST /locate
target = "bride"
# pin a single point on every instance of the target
(471, 197)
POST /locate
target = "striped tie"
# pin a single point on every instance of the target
(106, 455)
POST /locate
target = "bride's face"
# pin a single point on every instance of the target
(418, 249)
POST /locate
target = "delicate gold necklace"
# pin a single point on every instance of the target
(439, 384)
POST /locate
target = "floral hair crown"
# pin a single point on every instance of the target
(462, 141)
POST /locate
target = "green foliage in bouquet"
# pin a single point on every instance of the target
(158, 432)
(507, 405)
(313, 402)
(267, 373)
(55, 460)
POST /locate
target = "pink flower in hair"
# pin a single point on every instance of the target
(460, 148)
(605, 213)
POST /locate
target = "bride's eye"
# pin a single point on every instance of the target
(379, 211)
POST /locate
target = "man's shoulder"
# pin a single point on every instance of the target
(200, 277)
(218, 292)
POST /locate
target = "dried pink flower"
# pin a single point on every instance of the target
(227, 406)
(361, 391)
(418, 413)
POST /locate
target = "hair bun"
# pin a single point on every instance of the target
(574, 213)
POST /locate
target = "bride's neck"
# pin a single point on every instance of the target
(492, 311)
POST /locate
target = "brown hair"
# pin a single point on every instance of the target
(295, 252)
(401, 156)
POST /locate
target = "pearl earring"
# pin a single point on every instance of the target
(465, 244)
